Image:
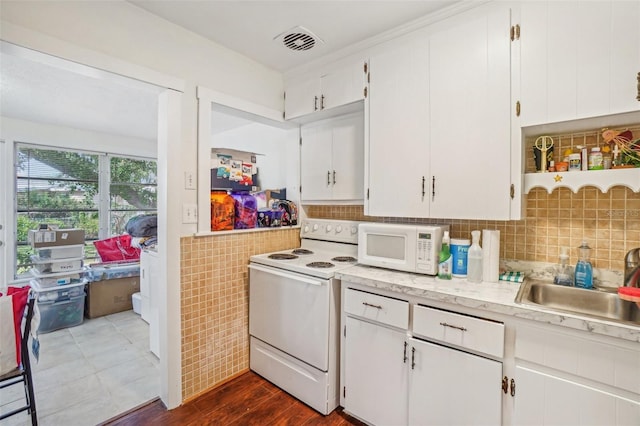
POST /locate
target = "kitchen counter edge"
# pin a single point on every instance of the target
(491, 297)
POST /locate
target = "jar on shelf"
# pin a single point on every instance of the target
(607, 158)
(575, 162)
(595, 159)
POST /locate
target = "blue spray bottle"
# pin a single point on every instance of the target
(583, 276)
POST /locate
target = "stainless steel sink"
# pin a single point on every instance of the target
(591, 303)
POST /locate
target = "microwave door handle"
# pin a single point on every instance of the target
(285, 275)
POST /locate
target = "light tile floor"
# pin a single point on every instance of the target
(89, 373)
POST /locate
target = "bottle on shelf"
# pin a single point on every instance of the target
(444, 260)
(595, 159)
(474, 259)
(583, 276)
(563, 270)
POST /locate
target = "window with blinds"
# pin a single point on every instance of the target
(95, 192)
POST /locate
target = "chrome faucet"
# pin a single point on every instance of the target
(632, 268)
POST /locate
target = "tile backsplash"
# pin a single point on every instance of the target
(609, 222)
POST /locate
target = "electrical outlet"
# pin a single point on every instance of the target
(189, 213)
(189, 181)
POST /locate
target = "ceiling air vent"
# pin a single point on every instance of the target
(299, 41)
(298, 38)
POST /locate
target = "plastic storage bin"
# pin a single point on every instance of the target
(246, 211)
(56, 279)
(61, 252)
(57, 293)
(222, 211)
(61, 314)
(42, 266)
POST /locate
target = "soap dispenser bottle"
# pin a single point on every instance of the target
(444, 260)
(474, 258)
(584, 271)
(563, 270)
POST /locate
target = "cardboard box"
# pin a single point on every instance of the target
(55, 237)
(110, 296)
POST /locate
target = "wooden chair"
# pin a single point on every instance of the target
(23, 372)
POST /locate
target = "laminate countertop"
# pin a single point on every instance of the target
(491, 297)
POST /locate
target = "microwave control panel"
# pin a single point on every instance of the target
(425, 251)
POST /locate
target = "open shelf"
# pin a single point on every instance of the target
(601, 179)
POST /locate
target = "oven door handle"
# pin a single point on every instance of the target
(286, 275)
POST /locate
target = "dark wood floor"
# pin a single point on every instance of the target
(246, 400)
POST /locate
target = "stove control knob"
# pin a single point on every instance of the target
(315, 227)
(306, 229)
(338, 229)
(329, 228)
(354, 230)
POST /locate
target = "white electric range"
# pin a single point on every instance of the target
(294, 312)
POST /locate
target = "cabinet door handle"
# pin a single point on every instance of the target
(322, 102)
(404, 357)
(638, 97)
(334, 177)
(457, 327)
(505, 384)
(315, 103)
(513, 387)
(433, 188)
(423, 192)
(413, 357)
(372, 306)
(328, 178)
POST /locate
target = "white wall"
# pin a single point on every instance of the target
(14, 130)
(113, 35)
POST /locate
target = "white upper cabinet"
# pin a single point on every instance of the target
(470, 116)
(397, 122)
(332, 160)
(314, 93)
(579, 59)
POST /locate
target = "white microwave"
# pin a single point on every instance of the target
(411, 248)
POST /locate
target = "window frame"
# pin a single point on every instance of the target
(103, 199)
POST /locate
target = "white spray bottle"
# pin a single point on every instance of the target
(474, 258)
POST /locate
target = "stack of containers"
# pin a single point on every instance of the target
(58, 278)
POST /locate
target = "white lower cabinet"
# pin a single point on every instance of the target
(545, 399)
(391, 377)
(569, 378)
(376, 375)
(452, 387)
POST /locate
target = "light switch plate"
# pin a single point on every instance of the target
(189, 213)
(189, 181)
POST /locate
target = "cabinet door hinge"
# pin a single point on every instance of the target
(517, 108)
(514, 32)
(512, 191)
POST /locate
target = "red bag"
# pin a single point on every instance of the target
(12, 317)
(117, 249)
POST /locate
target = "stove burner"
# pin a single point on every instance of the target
(282, 256)
(344, 259)
(320, 265)
(302, 251)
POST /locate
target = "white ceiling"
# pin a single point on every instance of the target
(42, 88)
(249, 27)
(45, 89)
